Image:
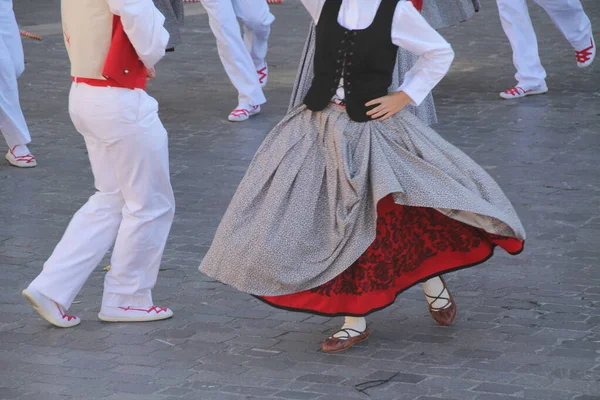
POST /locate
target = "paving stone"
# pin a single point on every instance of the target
(250, 390)
(478, 354)
(489, 396)
(8, 393)
(396, 377)
(136, 388)
(497, 388)
(547, 394)
(291, 394)
(430, 339)
(320, 378)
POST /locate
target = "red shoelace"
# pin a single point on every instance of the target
(155, 309)
(585, 54)
(239, 112)
(27, 158)
(516, 91)
(69, 318)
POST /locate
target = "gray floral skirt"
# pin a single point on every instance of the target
(306, 211)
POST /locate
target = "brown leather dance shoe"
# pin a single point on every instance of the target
(443, 315)
(335, 345)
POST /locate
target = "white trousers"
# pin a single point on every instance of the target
(567, 15)
(241, 56)
(12, 122)
(132, 208)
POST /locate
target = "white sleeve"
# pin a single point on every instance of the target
(143, 24)
(411, 32)
(314, 8)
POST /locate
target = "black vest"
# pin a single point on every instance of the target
(364, 58)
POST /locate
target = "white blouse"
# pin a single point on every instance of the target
(409, 31)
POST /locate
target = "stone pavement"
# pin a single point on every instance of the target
(528, 326)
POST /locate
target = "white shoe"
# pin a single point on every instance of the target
(242, 113)
(24, 161)
(585, 57)
(134, 314)
(518, 92)
(263, 75)
(49, 309)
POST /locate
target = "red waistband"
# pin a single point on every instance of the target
(99, 82)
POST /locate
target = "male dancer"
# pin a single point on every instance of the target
(12, 122)
(568, 16)
(242, 57)
(113, 46)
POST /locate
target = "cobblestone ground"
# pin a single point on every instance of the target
(528, 326)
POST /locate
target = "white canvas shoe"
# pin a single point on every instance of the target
(585, 57)
(21, 161)
(263, 75)
(517, 92)
(49, 309)
(134, 314)
(242, 113)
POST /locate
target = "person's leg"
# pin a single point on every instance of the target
(572, 21)
(12, 120)
(441, 303)
(94, 226)
(141, 160)
(256, 21)
(530, 76)
(353, 331)
(234, 55)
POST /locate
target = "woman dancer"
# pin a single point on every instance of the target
(439, 14)
(351, 199)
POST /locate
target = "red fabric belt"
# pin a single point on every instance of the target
(100, 82)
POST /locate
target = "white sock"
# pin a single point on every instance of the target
(20, 150)
(356, 323)
(433, 288)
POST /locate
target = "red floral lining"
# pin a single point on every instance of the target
(412, 245)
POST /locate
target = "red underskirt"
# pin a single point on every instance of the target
(412, 245)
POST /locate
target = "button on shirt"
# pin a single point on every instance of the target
(409, 31)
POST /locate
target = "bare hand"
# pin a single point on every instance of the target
(151, 73)
(388, 105)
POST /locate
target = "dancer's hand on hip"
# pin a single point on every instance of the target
(151, 73)
(388, 105)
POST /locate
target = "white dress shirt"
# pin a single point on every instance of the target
(143, 24)
(409, 31)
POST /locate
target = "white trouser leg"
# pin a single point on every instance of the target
(518, 28)
(570, 18)
(127, 146)
(234, 55)
(142, 161)
(12, 121)
(256, 21)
